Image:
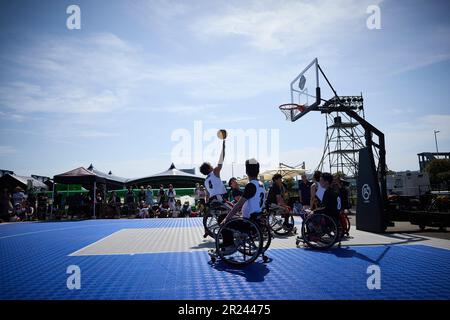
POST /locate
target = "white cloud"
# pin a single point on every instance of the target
(80, 75)
(286, 25)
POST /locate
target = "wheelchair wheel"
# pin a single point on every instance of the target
(211, 221)
(276, 222)
(239, 242)
(319, 231)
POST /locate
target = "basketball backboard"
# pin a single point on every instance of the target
(305, 91)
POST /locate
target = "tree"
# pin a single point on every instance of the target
(439, 170)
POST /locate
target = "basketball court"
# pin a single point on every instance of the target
(168, 259)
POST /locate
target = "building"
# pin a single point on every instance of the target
(426, 157)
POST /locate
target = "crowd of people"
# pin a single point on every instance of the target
(146, 203)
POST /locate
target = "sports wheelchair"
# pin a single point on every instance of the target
(276, 219)
(240, 241)
(215, 212)
(320, 231)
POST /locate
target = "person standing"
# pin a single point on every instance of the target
(129, 200)
(171, 194)
(317, 191)
(149, 196)
(161, 195)
(141, 195)
(196, 193)
(304, 191)
(5, 206)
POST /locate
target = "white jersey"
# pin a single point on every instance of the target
(214, 185)
(256, 203)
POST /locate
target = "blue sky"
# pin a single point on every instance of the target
(114, 92)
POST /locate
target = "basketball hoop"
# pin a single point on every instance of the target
(291, 109)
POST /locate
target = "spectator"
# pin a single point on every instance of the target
(28, 211)
(42, 206)
(142, 194)
(202, 195)
(304, 191)
(130, 201)
(171, 194)
(18, 196)
(98, 205)
(164, 210)
(143, 210)
(161, 195)
(149, 196)
(5, 206)
(317, 191)
(178, 207)
(114, 203)
(196, 193)
(235, 192)
(185, 210)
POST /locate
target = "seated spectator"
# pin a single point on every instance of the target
(28, 211)
(235, 192)
(185, 210)
(164, 210)
(143, 210)
(177, 210)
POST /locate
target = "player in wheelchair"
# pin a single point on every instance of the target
(217, 207)
(281, 219)
(321, 227)
(241, 240)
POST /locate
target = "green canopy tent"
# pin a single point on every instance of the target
(78, 176)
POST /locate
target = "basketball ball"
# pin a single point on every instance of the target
(222, 134)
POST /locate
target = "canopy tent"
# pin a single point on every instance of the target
(10, 181)
(285, 171)
(79, 176)
(177, 178)
(112, 182)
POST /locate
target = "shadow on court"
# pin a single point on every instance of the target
(254, 272)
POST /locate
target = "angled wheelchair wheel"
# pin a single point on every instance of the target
(319, 231)
(276, 223)
(212, 219)
(239, 242)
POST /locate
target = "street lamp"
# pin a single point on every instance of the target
(232, 169)
(435, 139)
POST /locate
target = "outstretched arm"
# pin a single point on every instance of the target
(221, 160)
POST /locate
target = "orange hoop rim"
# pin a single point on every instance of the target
(292, 106)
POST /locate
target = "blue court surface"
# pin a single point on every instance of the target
(35, 257)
